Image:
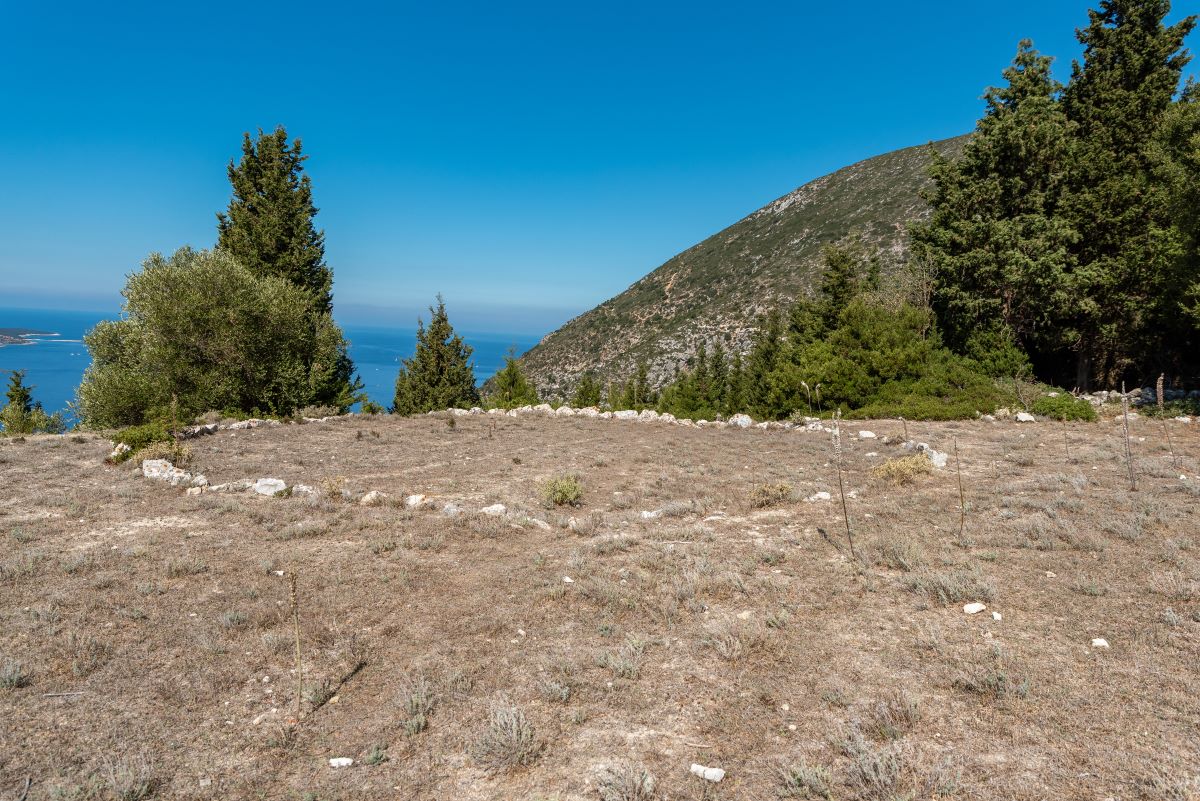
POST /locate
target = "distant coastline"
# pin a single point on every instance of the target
(21, 336)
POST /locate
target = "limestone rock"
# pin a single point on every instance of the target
(626, 414)
(974, 608)
(413, 501)
(269, 487)
(741, 421)
(1025, 417)
(495, 510)
(374, 498)
(708, 774)
(866, 435)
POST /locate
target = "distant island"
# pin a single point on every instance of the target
(20, 336)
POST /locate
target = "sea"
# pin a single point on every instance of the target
(54, 365)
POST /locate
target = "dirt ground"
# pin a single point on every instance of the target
(596, 652)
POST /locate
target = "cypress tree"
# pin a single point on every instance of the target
(512, 389)
(1177, 166)
(587, 393)
(439, 375)
(269, 224)
(19, 396)
(1125, 257)
(719, 378)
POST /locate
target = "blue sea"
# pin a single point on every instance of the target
(54, 365)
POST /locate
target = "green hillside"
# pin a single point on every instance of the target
(719, 287)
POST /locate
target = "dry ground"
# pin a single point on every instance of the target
(720, 633)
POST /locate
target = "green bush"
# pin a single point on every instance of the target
(1064, 406)
(202, 328)
(140, 437)
(21, 414)
(562, 491)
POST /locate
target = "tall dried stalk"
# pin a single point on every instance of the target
(1128, 452)
(837, 452)
(962, 498)
(1162, 413)
(295, 602)
(905, 424)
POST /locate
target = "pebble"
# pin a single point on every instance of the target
(997, 616)
(568, 580)
(341, 762)
(373, 498)
(820, 496)
(495, 510)
(413, 501)
(974, 608)
(866, 435)
(1025, 417)
(1099, 642)
(708, 774)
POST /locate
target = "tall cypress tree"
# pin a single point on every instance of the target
(440, 374)
(1177, 167)
(510, 387)
(995, 241)
(269, 224)
(1125, 258)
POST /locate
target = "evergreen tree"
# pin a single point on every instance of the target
(1177, 167)
(998, 247)
(587, 393)
(439, 375)
(22, 414)
(511, 388)
(735, 395)
(765, 353)
(19, 396)
(1125, 258)
(719, 378)
(269, 224)
(841, 281)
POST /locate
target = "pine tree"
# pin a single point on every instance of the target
(719, 378)
(22, 414)
(439, 375)
(996, 242)
(1125, 259)
(19, 396)
(269, 224)
(511, 388)
(765, 354)
(587, 393)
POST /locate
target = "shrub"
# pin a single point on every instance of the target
(202, 328)
(563, 491)
(626, 782)
(141, 437)
(508, 741)
(174, 452)
(903, 470)
(22, 415)
(1064, 406)
(769, 494)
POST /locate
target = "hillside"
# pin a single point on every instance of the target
(720, 286)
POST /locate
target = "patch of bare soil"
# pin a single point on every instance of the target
(596, 652)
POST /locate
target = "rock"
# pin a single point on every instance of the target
(374, 498)
(119, 451)
(648, 415)
(413, 501)
(974, 608)
(657, 513)
(987, 418)
(341, 762)
(588, 411)
(820, 496)
(543, 408)
(708, 774)
(476, 410)
(626, 414)
(1183, 419)
(511, 413)
(451, 509)
(495, 510)
(667, 417)
(564, 411)
(269, 486)
(195, 490)
(241, 485)
(1025, 417)
(997, 616)
(303, 489)
(162, 470)
(605, 415)
(938, 458)
(568, 580)
(741, 421)
(866, 435)
(1099, 642)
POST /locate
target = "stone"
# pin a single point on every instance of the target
(820, 496)
(1183, 419)
(162, 470)
(588, 411)
(1025, 417)
(544, 408)
(1099, 642)
(568, 580)
(997, 616)
(195, 490)
(667, 417)
(974, 608)
(987, 418)
(605, 415)
(303, 489)
(413, 501)
(241, 485)
(341, 762)
(866, 435)
(708, 774)
(495, 510)
(741, 421)
(451, 509)
(269, 486)
(374, 498)
(648, 415)
(564, 411)
(938, 458)
(657, 513)
(626, 414)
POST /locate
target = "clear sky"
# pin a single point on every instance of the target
(528, 160)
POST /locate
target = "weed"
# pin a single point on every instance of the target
(626, 661)
(185, 566)
(805, 781)
(992, 678)
(899, 553)
(903, 471)
(509, 741)
(894, 716)
(564, 490)
(766, 495)
(13, 675)
(86, 654)
(555, 690)
(233, 619)
(1090, 587)
(626, 782)
(130, 778)
(778, 619)
(416, 703)
(377, 755)
(953, 587)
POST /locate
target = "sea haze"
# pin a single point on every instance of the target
(55, 365)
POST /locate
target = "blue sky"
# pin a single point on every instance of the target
(528, 160)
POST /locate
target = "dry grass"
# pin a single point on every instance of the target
(716, 631)
(903, 470)
(766, 495)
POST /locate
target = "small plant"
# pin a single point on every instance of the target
(950, 588)
(13, 675)
(319, 694)
(899, 553)
(233, 619)
(137, 438)
(185, 566)
(766, 495)
(805, 781)
(904, 470)
(509, 741)
(562, 490)
(1064, 406)
(894, 716)
(130, 778)
(555, 690)
(993, 678)
(86, 654)
(626, 782)
(377, 755)
(174, 452)
(626, 662)
(416, 704)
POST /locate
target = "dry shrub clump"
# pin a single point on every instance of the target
(904, 470)
(174, 452)
(948, 588)
(626, 782)
(508, 742)
(563, 491)
(766, 495)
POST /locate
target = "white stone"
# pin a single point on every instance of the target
(866, 435)
(606, 415)
(341, 762)
(195, 490)
(495, 510)
(997, 616)
(451, 509)
(269, 486)
(544, 408)
(374, 498)
(413, 501)
(974, 608)
(657, 513)
(820, 496)
(303, 489)
(648, 415)
(667, 417)
(1025, 417)
(708, 774)
(588, 411)
(626, 414)
(741, 421)
(1099, 642)
(1183, 419)
(568, 580)
(987, 418)
(241, 485)
(564, 411)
